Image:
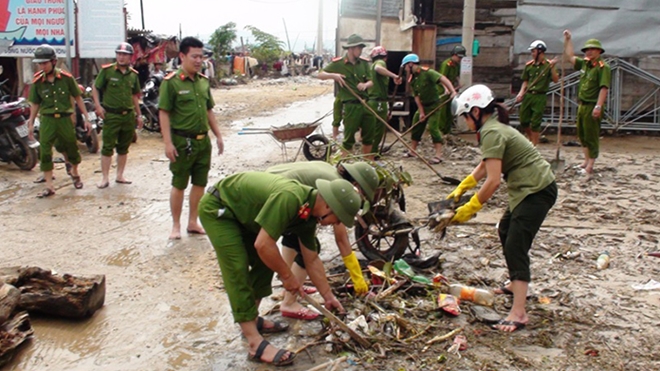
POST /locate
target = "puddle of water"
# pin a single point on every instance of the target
(123, 257)
(9, 192)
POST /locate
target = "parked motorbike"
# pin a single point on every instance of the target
(91, 139)
(14, 144)
(149, 103)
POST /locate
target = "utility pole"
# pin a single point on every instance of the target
(319, 36)
(379, 19)
(67, 34)
(468, 38)
(288, 43)
(142, 13)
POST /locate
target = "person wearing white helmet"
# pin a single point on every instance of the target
(531, 189)
(380, 79)
(536, 77)
(427, 86)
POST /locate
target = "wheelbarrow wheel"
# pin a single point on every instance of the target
(386, 244)
(316, 148)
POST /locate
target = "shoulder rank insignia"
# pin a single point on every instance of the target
(337, 59)
(37, 76)
(66, 73)
(133, 70)
(107, 65)
(530, 62)
(202, 75)
(170, 75)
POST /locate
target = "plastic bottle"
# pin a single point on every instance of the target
(603, 260)
(473, 294)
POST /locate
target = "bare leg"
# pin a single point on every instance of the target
(590, 165)
(585, 150)
(105, 171)
(366, 150)
(48, 177)
(517, 313)
(438, 150)
(196, 194)
(74, 170)
(176, 204)
(534, 137)
(121, 165)
(529, 133)
(290, 301)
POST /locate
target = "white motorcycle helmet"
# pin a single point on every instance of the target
(538, 44)
(474, 96)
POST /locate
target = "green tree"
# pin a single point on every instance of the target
(266, 48)
(222, 38)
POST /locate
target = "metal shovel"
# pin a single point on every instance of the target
(557, 164)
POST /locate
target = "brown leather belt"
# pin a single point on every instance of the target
(185, 134)
(57, 115)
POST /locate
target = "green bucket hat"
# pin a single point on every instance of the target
(365, 176)
(354, 40)
(593, 43)
(343, 199)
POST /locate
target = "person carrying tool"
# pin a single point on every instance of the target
(352, 74)
(360, 174)
(451, 69)
(536, 78)
(120, 86)
(378, 100)
(186, 114)
(427, 87)
(530, 184)
(592, 92)
(50, 96)
(244, 214)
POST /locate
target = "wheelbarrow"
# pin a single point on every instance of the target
(315, 147)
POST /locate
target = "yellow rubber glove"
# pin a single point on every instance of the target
(467, 211)
(355, 271)
(467, 184)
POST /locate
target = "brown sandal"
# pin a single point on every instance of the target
(77, 183)
(45, 193)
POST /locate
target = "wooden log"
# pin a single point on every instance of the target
(12, 334)
(9, 298)
(57, 295)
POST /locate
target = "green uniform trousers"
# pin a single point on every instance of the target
(60, 133)
(193, 162)
(382, 109)
(117, 132)
(246, 278)
(517, 230)
(336, 112)
(446, 117)
(531, 111)
(433, 123)
(588, 128)
(356, 117)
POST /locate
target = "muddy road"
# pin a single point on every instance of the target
(165, 308)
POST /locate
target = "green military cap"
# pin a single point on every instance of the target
(593, 44)
(354, 40)
(365, 176)
(343, 199)
(44, 53)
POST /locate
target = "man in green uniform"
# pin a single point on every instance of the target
(244, 215)
(352, 72)
(380, 80)
(427, 87)
(536, 77)
(360, 174)
(120, 86)
(186, 114)
(451, 69)
(592, 93)
(50, 96)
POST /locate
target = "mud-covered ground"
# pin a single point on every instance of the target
(165, 308)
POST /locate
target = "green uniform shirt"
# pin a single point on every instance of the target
(306, 172)
(538, 76)
(118, 87)
(353, 75)
(525, 171)
(451, 70)
(593, 76)
(379, 90)
(187, 100)
(54, 97)
(425, 84)
(269, 201)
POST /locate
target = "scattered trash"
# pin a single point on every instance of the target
(449, 304)
(591, 352)
(655, 253)
(544, 300)
(485, 315)
(401, 267)
(475, 295)
(651, 285)
(439, 279)
(571, 254)
(603, 260)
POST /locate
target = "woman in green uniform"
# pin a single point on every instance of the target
(531, 188)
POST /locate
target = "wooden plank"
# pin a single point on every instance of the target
(354, 335)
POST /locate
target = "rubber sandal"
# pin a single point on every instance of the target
(303, 314)
(309, 290)
(277, 360)
(516, 325)
(46, 193)
(408, 155)
(277, 327)
(104, 185)
(77, 183)
(41, 179)
(123, 181)
(435, 160)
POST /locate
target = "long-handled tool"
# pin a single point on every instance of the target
(354, 335)
(389, 146)
(447, 179)
(557, 164)
(390, 104)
